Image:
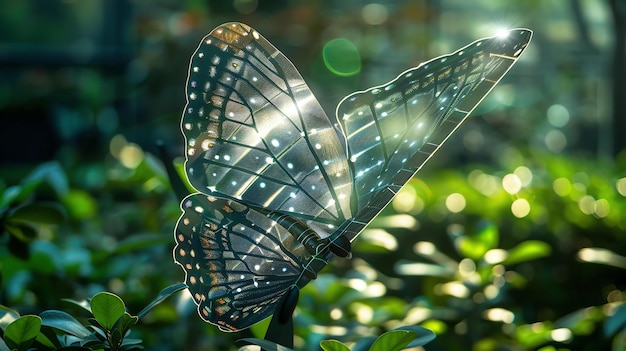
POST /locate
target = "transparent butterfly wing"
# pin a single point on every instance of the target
(255, 132)
(393, 129)
(260, 145)
(238, 261)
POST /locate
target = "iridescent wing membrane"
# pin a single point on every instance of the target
(280, 183)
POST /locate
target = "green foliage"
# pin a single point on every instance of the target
(108, 327)
(483, 276)
(23, 217)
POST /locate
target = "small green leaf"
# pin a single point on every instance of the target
(164, 294)
(9, 195)
(25, 232)
(422, 335)
(107, 308)
(84, 304)
(79, 204)
(487, 234)
(394, 340)
(116, 339)
(63, 321)
(40, 213)
(333, 345)
(131, 344)
(526, 251)
(22, 332)
(125, 322)
(53, 174)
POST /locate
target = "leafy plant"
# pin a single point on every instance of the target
(108, 327)
(25, 214)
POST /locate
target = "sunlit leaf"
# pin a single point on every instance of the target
(79, 204)
(22, 332)
(526, 251)
(333, 345)
(394, 340)
(107, 308)
(422, 335)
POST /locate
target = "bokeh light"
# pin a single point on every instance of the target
(374, 14)
(342, 57)
(245, 6)
(455, 202)
(562, 186)
(555, 140)
(524, 174)
(558, 115)
(620, 185)
(520, 208)
(511, 183)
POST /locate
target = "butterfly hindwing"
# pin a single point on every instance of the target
(238, 261)
(255, 132)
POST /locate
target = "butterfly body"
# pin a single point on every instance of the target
(282, 187)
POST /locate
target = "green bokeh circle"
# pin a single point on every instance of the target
(341, 57)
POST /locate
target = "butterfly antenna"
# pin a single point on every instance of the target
(177, 184)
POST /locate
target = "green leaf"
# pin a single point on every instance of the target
(22, 332)
(131, 344)
(475, 246)
(80, 204)
(107, 308)
(164, 294)
(63, 321)
(84, 304)
(125, 322)
(116, 339)
(394, 340)
(616, 322)
(40, 213)
(333, 345)
(9, 195)
(53, 174)
(526, 251)
(422, 335)
(266, 345)
(487, 234)
(24, 232)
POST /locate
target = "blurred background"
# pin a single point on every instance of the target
(510, 238)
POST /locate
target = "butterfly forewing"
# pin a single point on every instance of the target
(393, 129)
(255, 132)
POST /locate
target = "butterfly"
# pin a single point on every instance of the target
(283, 188)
